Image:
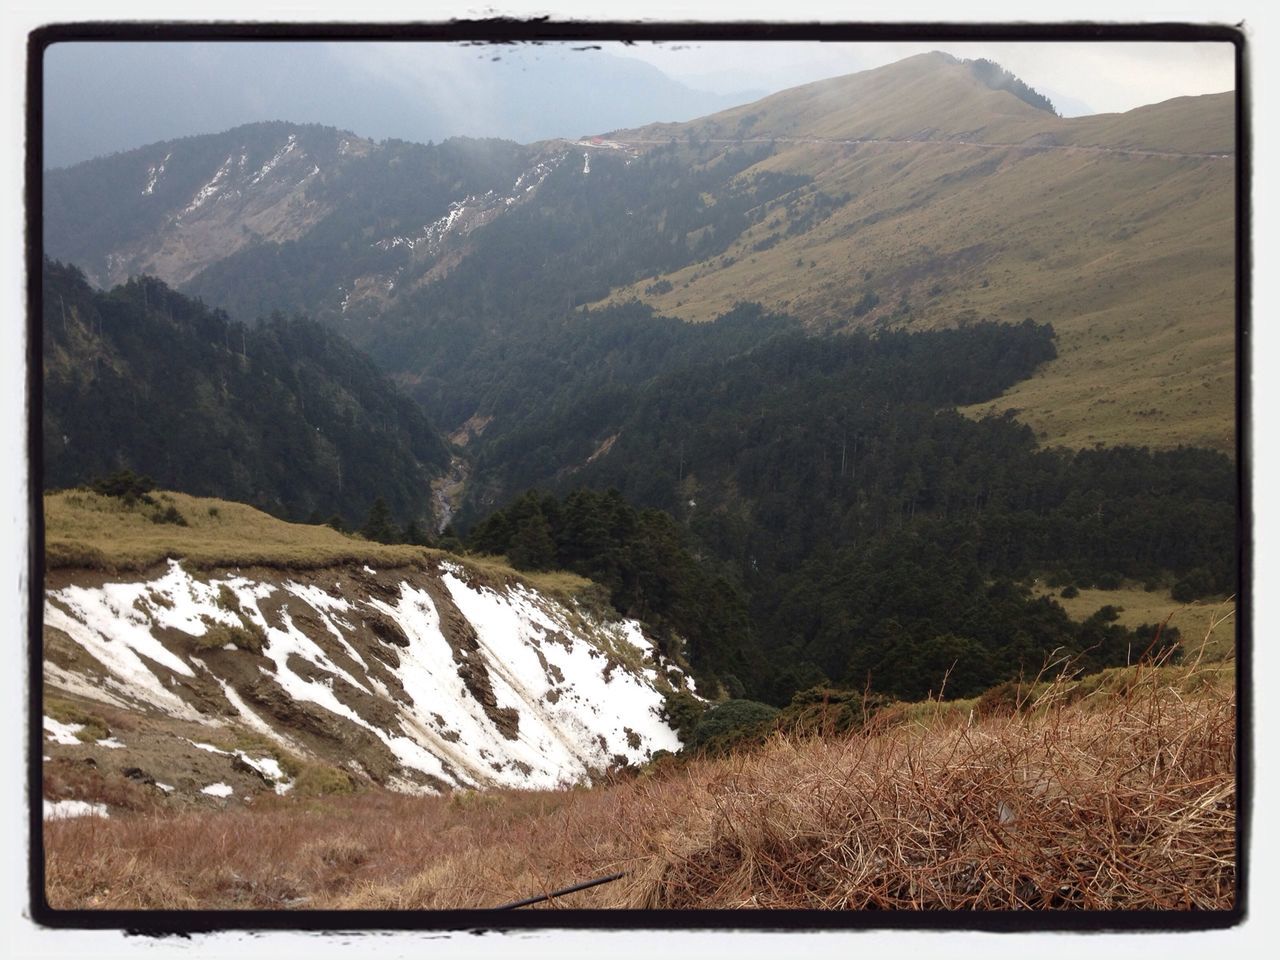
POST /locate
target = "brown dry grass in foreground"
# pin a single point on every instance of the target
(1122, 800)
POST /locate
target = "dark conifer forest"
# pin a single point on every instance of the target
(282, 414)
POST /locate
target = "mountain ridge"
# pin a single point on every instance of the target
(910, 196)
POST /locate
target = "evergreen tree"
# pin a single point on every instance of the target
(532, 546)
(378, 526)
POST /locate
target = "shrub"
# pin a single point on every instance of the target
(1070, 591)
(94, 727)
(825, 711)
(169, 514)
(1107, 614)
(1196, 584)
(126, 485)
(227, 599)
(732, 721)
(1012, 696)
(1109, 580)
(247, 636)
(318, 780)
(682, 711)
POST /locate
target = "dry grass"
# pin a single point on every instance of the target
(1120, 800)
(84, 529)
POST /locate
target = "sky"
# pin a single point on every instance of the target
(1103, 77)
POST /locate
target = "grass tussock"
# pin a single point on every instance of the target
(247, 636)
(1116, 800)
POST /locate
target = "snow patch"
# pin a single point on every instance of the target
(209, 189)
(275, 159)
(65, 809)
(63, 733)
(154, 174)
(217, 790)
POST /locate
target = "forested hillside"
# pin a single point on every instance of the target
(872, 533)
(284, 415)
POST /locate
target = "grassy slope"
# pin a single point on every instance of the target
(87, 530)
(84, 529)
(1131, 258)
(1207, 623)
(1115, 795)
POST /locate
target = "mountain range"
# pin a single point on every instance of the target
(924, 191)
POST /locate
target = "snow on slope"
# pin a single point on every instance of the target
(420, 680)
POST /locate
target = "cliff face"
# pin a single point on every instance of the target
(226, 682)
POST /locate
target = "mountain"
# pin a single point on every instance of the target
(265, 672)
(102, 98)
(952, 200)
(927, 193)
(285, 415)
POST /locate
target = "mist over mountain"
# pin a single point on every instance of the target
(102, 98)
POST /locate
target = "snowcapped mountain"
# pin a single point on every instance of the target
(419, 679)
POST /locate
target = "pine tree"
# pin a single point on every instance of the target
(532, 547)
(413, 534)
(378, 526)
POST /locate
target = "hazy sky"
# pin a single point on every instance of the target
(1108, 77)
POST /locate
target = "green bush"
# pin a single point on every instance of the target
(1070, 591)
(731, 722)
(825, 711)
(1196, 584)
(683, 711)
(93, 726)
(126, 485)
(1109, 580)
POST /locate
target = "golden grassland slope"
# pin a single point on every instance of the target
(1118, 229)
(86, 530)
(1107, 796)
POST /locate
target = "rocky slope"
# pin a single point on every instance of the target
(219, 684)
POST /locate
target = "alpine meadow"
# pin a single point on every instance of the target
(831, 502)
